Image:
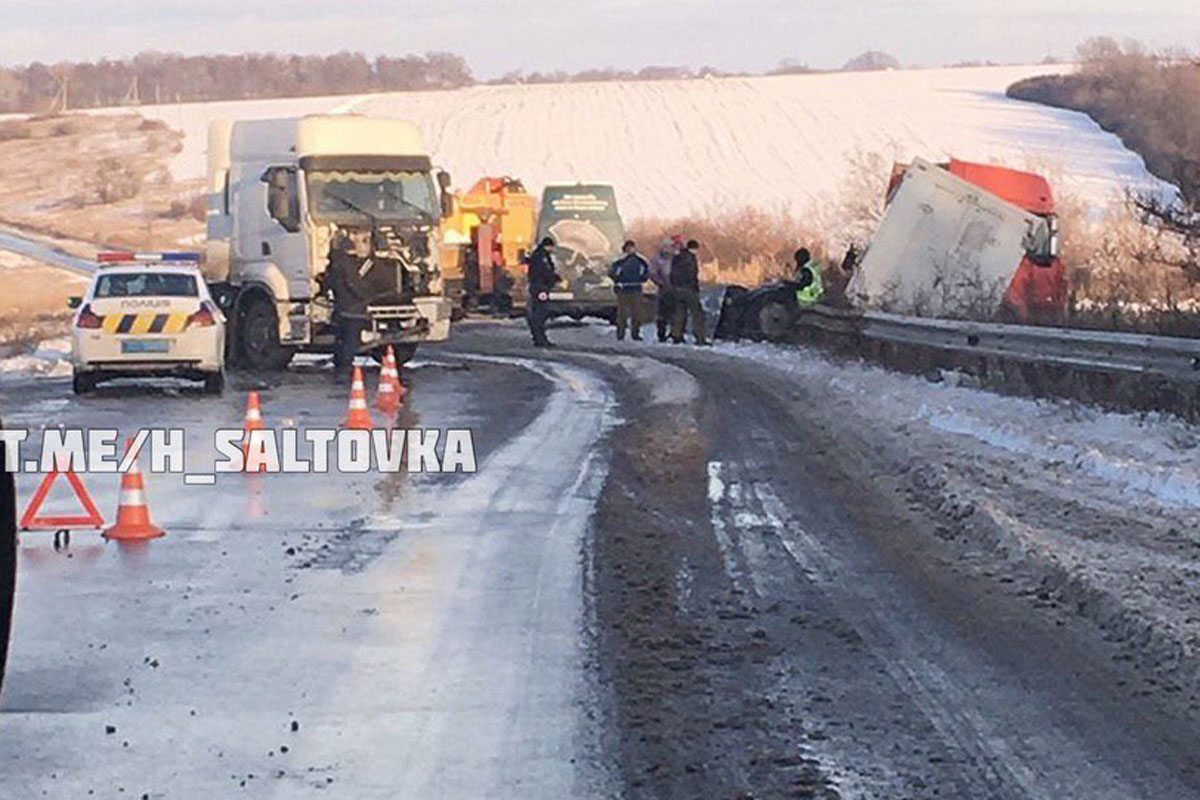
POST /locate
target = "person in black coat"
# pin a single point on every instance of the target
(685, 286)
(349, 304)
(542, 278)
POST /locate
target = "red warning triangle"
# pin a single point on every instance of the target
(31, 521)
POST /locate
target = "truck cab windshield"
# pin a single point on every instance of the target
(1041, 241)
(352, 198)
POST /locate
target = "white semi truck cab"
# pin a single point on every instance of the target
(282, 191)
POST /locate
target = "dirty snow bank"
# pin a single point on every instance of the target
(50, 358)
(1143, 457)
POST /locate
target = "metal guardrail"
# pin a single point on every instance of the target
(1175, 358)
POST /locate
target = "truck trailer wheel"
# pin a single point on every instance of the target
(258, 335)
(8, 559)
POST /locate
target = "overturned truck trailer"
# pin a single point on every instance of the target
(958, 240)
(955, 243)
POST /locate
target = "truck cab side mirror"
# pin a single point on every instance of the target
(74, 302)
(444, 180)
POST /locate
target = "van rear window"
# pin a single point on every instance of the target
(146, 284)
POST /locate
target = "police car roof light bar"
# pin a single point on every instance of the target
(117, 257)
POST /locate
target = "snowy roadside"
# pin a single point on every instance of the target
(1150, 460)
(1091, 512)
(48, 358)
(34, 317)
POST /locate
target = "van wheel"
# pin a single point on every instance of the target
(82, 383)
(258, 332)
(214, 383)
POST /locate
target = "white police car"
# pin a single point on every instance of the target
(148, 315)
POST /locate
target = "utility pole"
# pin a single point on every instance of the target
(132, 97)
(61, 102)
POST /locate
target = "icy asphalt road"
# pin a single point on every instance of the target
(44, 251)
(678, 573)
(319, 634)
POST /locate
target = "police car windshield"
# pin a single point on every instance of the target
(146, 284)
(349, 197)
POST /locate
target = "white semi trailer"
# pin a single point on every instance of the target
(948, 248)
(281, 191)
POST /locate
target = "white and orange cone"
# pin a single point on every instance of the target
(133, 515)
(388, 396)
(358, 418)
(254, 422)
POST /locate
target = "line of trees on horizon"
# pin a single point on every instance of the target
(155, 77)
(1151, 100)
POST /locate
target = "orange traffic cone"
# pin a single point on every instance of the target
(387, 396)
(254, 422)
(133, 516)
(359, 418)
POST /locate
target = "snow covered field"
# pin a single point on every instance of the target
(686, 147)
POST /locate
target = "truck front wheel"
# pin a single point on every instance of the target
(258, 333)
(404, 352)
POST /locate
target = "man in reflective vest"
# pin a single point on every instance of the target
(811, 287)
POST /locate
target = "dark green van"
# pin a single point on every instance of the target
(588, 232)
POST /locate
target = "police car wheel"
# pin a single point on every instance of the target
(215, 383)
(82, 384)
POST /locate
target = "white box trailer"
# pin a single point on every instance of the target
(281, 191)
(944, 248)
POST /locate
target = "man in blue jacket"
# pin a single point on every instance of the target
(629, 273)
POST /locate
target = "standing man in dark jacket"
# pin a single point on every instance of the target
(542, 278)
(685, 285)
(628, 274)
(344, 279)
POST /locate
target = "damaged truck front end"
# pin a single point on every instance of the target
(283, 193)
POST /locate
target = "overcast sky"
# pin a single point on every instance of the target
(500, 35)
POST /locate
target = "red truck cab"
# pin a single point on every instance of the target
(1038, 291)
